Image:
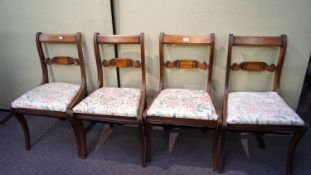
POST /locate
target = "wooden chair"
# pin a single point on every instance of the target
(109, 104)
(264, 112)
(184, 107)
(51, 99)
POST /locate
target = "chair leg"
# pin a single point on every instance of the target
(297, 135)
(22, 121)
(82, 139)
(149, 141)
(78, 128)
(260, 140)
(215, 149)
(221, 151)
(143, 144)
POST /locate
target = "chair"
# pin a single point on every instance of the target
(184, 107)
(109, 104)
(263, 112)
(53, 99)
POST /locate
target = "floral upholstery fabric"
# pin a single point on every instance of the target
(111, 101)
(50, 96)
(260, 108)
(183, 103)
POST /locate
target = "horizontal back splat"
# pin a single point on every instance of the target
(121, 62)
(62, 60)
(186, 64)
(253, 66)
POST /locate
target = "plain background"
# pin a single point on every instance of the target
(20, 69)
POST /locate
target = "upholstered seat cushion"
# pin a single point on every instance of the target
(50, 96)
(183, 103)
(111, 101)
(260, 108)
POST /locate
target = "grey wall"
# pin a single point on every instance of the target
(240, 17)
(20, 20)
(20, 68)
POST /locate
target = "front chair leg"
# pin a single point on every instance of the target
(297, 135)
(78, 128)
(149, 141)
(221, 151)
(22, 121)
(143, 144)
(215, 149)
(82, 138)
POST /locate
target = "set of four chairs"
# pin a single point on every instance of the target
(261, 112)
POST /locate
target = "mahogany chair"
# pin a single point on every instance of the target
(263, 112)
(53, 99)
(109, 104)
(184, 107)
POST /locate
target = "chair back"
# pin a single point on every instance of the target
(119, 62)
(187, 63)
(61, 60)
(256, 66)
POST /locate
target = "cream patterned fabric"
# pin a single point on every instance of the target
(50, 96)
(260, 108)
(111, 101)
(183, 103)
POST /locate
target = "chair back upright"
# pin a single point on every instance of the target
(256, 66)
(187, 63)
(119, 62)
(60, 60)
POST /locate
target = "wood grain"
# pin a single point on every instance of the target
(257, 41)
(187, 39)
(58, 38)
(121, 62)
(186, 64)
(118, 39)
(62, 60)
(253, 66)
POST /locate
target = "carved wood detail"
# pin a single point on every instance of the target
(62, 60)
(253, 66)
(186, 64)
(121, 62)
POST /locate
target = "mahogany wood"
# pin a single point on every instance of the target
(206, 40)
(187, 39)
(106, 118)
(40, 112)
(296, 131)
(257, 41)
(24, 125)
(186, 64)
(64, 60)
(121, 62)
(58, 38)
(118, 39)
(117, 62)
(158, 120)
(253, 66)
